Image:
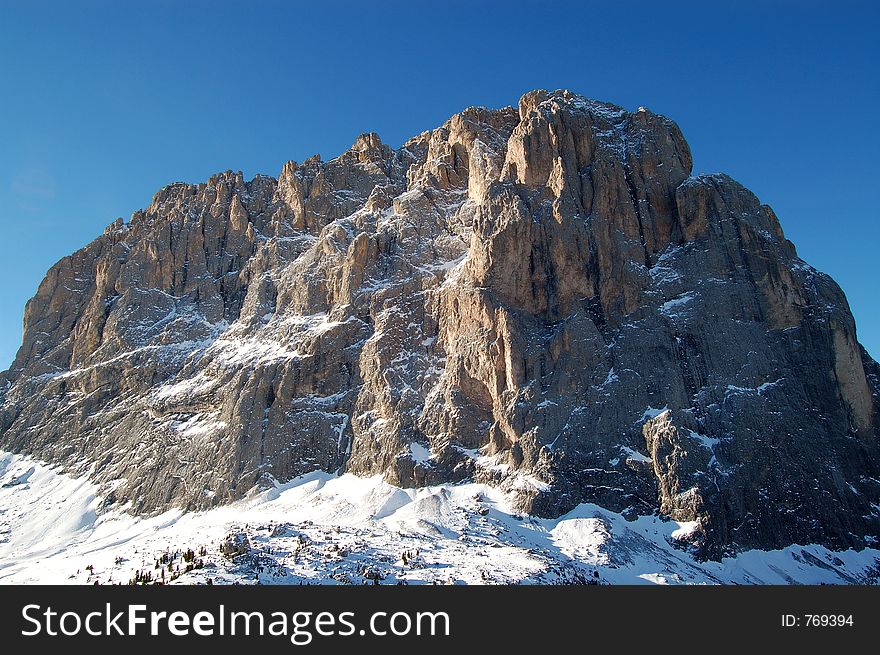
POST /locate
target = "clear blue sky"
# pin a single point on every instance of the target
(103, 103)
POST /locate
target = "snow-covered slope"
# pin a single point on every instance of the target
(345, 529)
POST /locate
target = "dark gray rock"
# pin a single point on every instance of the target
(235, 544)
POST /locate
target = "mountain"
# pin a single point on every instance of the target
(541, 299)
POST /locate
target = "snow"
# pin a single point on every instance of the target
(652, 412)
(685, 529)
(677, 306)
(661, 274)
(182, 348)
(582, 538)
(446, 266)
(706, 442)
(635, 455)
(455, 272)
(733, 389)
(345, 529)
(342, 427)
(198, 425)
(419, 454)
(611, 378)
(234, 350)
(66, 507)
(233, 353)
(527, 482)
(190, 387)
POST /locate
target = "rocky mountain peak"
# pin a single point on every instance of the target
(543, 298)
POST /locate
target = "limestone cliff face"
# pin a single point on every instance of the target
(543, 298)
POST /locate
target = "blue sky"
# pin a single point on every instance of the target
(103, 103)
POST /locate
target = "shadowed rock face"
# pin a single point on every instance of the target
(543, 298)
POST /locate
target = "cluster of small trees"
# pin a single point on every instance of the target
(167, 567)
(411, 557)
(190, 555)
(142, 578)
